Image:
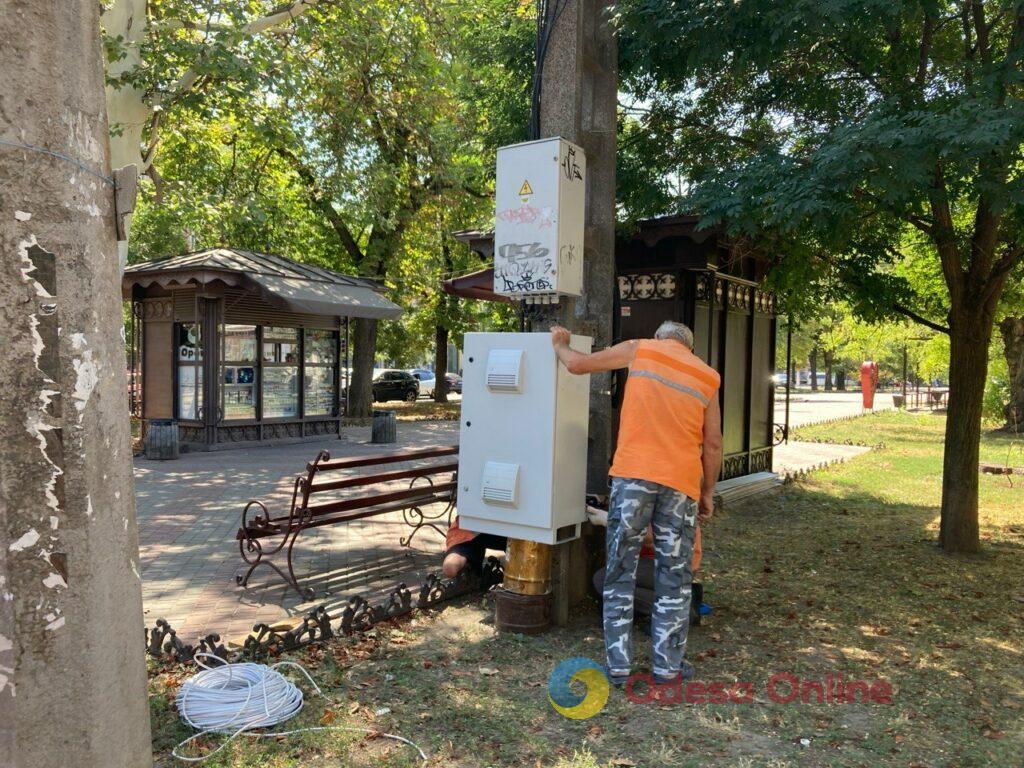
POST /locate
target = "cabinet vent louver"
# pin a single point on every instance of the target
(500, 483)
(505, 370)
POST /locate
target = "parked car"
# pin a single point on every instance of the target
(426, 380)
(393, 384)
(454, 382)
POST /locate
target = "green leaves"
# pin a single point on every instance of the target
(830, 128)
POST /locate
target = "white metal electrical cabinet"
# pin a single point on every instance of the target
(539, 195)
(523, 438)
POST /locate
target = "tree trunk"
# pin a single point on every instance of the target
(1012, 331)
(364, 350)
(970, 333)
(828, 371)
(440, 364)
(814, 369)
(71, 643)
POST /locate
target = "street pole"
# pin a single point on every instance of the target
(904, 373)
(578, 100)
(72, 664)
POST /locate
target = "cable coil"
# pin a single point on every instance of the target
(237, 698)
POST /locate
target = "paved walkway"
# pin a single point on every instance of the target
(814, 407)
(793, 457)
(189, 509)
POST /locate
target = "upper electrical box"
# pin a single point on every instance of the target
(538, 228)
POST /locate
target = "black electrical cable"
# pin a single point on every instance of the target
(545, 27)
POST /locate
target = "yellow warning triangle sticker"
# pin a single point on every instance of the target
(526, 189)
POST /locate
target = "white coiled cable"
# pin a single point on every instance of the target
(236, 698)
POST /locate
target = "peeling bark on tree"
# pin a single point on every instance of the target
(71, 628)
(1012, 331)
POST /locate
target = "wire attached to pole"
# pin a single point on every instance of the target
(59, 156)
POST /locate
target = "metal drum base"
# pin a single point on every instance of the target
(526, 614)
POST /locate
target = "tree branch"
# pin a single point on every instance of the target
(1000, 270)
(322, 204)
(281, 15)
(927, 31)
(981, 30)
(906, 311)
(944, 235)
(911, 218)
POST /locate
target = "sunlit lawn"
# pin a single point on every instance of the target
(839, 574)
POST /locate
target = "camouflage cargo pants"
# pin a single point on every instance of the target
(635, 504)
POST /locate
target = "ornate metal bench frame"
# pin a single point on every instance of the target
(302, 515)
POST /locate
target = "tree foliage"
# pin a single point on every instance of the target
(836, 129)
(355, 135)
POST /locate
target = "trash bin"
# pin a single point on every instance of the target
(161, 441)
(385, 427)
(899, 401)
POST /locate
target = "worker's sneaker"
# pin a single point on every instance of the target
(617, 680)
(686, 672)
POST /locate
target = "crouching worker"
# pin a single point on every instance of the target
(643, 600)
(465, 549)
(663, 475)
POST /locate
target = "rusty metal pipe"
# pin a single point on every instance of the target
(524, 602)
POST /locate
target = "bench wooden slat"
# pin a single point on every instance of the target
(384, 477)
(389, 458)
(409, 495)
(259, 533)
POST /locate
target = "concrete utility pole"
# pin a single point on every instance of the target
(579, 95)
(72, 669)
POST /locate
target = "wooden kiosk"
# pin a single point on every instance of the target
(667, 269)
(238, 347)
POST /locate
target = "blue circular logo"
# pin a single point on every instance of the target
(571, 704)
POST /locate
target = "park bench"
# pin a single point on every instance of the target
(369, 486)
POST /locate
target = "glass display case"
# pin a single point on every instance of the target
(189, 361)
(321, 361)
(239, 374)
(280, 391)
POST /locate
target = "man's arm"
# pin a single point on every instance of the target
(711, 457)
(610, 359)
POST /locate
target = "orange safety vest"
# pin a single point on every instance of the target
(661, 425)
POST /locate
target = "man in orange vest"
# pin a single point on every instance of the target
(663, 474)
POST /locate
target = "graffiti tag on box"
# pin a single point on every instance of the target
(524, 267)
(529, 214)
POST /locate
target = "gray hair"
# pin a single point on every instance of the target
(675, 331)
